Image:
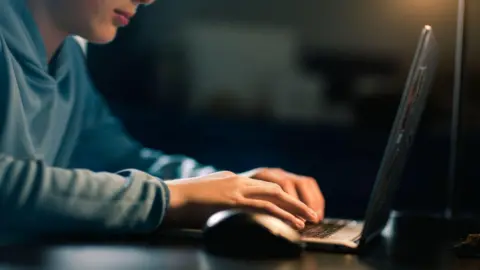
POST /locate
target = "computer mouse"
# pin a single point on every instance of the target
(248, 234)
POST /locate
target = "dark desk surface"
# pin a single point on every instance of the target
(414, 243)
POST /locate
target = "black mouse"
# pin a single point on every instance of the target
(247, 234)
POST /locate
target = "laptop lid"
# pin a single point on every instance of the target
(402, 134)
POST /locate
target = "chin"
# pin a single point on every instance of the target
(102, 37)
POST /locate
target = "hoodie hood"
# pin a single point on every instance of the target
(23, 38)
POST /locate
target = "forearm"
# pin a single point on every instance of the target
(170, 167)
(36, 198)
(111, 149)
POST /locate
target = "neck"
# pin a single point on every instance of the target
(52, 36)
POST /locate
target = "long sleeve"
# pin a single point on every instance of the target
(105, 145)
(39, 125)
(36, 198)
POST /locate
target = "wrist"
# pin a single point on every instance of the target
(173, 216)
(177, 195)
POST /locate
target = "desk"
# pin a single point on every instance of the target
(413, 244)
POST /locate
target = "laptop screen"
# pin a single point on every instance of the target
(402, 134)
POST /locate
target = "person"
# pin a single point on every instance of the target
(68, 166)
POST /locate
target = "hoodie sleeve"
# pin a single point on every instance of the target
(36, 198)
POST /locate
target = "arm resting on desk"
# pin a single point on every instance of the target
(35, 198)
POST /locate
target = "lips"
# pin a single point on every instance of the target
(126, 14)
(122, 18)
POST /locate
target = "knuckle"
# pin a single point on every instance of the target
(288, 185)
(277, 170)
(261, 170)
(237, 200)
(227, 173)
(277, 190)
(311, 180)
(281, 183)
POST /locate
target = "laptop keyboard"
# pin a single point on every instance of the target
(321, 230)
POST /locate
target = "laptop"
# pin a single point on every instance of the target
(353, 235)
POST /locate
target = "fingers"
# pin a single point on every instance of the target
(274, 210)
(303, 188)
(309, 192)
(307, 189)
(281, 178)
(275, 194)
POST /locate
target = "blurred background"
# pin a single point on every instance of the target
(311, 86)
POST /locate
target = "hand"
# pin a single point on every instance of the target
(193, 200)
(301, 187)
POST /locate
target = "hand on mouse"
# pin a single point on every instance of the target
(194, 200)
(301, 187)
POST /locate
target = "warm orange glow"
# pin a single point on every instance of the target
(430, 4)
(422, 6)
